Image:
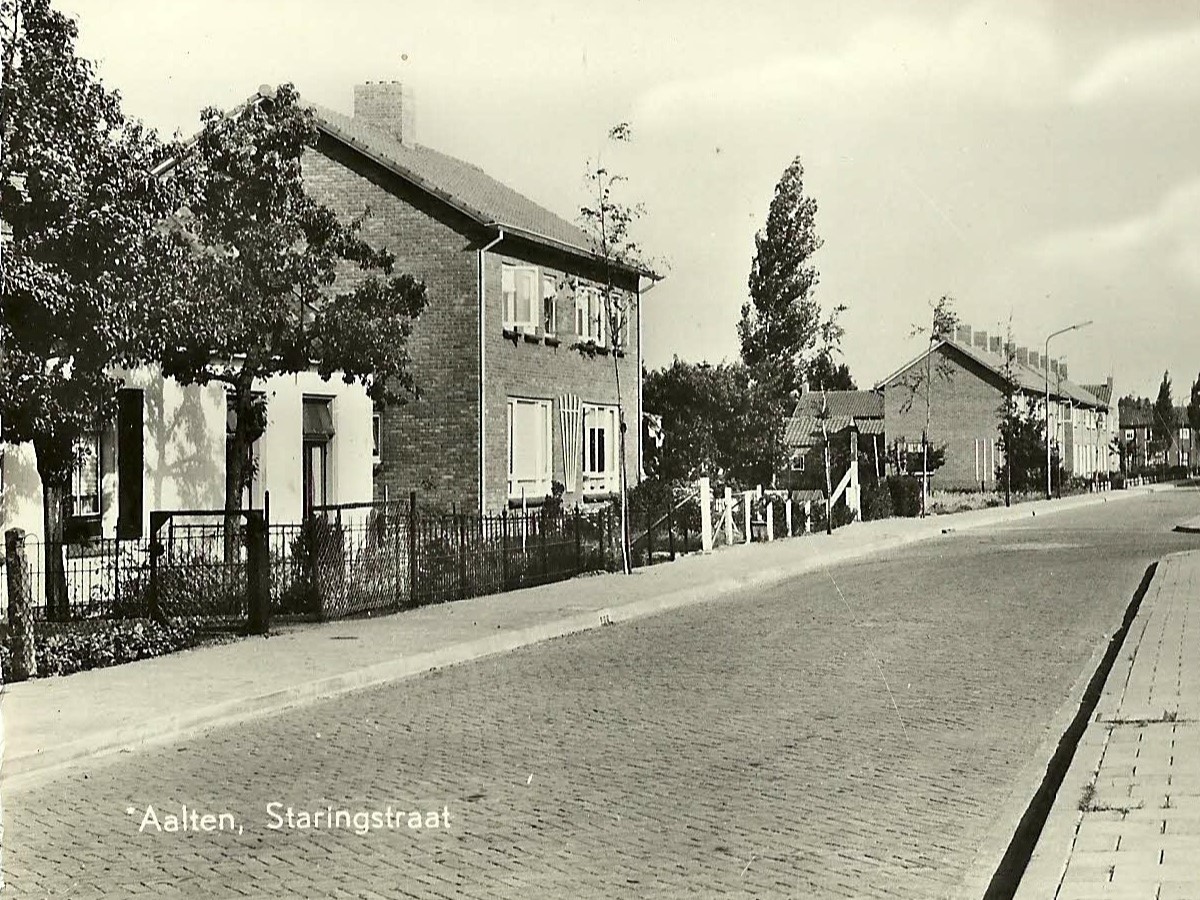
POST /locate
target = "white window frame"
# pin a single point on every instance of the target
(536, 484)
(376, 437)
(510, 276)
(549, 304)
(602, 445)
(88, 447)
(798, 462)
(589, 315)
(1130, 434)
(1185, 433)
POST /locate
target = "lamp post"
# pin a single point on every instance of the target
(1046, 356)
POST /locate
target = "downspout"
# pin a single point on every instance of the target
(482, 373)
(640, 457)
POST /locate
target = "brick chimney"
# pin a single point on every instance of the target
(996, 345)
(1062, 371)
(963, 335)
(980, 340)
(1022, 354)
(388, 107)
(1054, 368)
(1034, 358)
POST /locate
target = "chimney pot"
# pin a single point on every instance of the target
(1062, 370)
(388, 107)
(996, 345)
(980, 339)
(1033, 358)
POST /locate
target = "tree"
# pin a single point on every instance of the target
(920, 381)
(267, 281)
(823, 373)
(1023, 442)
(1193, 407)
(1163, 428)
(780, 324)
(608, 221)
(711, 423)
(78, 195)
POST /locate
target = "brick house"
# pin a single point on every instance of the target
(964, 409)
(861, 410)
(516, 370)
(1137, 436)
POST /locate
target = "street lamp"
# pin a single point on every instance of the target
(1046, 357)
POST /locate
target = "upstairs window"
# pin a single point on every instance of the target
(520, 288)
(1185, 434)
(589, 315)
(549, 307)
(1129, 434)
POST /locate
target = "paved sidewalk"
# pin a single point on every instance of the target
(1126, 822)
(53, 722)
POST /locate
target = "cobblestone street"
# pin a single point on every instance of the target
(854, 733)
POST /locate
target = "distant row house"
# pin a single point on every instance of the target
(966, 374)
(1141, 444)
(516, 366)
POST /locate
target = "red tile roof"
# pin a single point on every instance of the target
(856, 404)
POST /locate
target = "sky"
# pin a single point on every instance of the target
(1039, 162)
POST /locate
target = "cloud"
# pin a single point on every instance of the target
(1166, 239)
(1153, 67)
(984, 54)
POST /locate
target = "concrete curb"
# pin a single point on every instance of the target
(22, 771)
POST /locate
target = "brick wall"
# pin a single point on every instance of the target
(539, 371)
(429, 444)
(964, 409)
(432, 444)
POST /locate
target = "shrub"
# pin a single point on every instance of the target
(905, 494)
(876, 501)
(64, 651)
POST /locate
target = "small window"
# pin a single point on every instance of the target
(1185, 434)
(1129, 434)
(376, 437)
(519, 284)
(85, 478)
(549, 307)
(798, 462)
(589, 315)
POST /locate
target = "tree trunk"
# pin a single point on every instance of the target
(235, 470)
(55, 489)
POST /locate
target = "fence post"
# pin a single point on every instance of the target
(607, 535)
(807, 516)
(541, 527)
(649, 536)
(706, 525)
(746, 512)
(578, 544)
(729, 516)
(504, 547)
(770, 520)
(671, 527)
(787, 514)
(257, 580)
(462, 556)
(413, 594)
(20, 597)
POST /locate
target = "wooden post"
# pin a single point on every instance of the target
(729, 516)
(787, 514)
(649, 539)
(807, 516)
(20, 598)
(671, 527)
(746, 512)
(706, 523)
(578, 543)
(413, 592)
(770, 520)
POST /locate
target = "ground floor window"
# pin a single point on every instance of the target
(529, 448)
(85, 478)
(600, 430)
(317, 450)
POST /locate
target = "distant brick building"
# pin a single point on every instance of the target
(513, 357)
(965, 403)
(1137, 438)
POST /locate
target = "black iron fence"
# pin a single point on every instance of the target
(342, 561)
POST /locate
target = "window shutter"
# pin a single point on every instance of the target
(130, 463)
